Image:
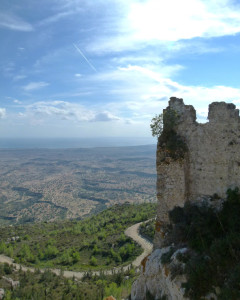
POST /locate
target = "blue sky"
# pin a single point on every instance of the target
(103, 68)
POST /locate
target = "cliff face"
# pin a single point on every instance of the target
(210, 165)
(155, 280)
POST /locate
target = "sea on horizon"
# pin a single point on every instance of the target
(60, 143)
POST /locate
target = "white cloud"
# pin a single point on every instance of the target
(149, 73)
(140, 72)
(51, 58)
(153, 22)
(200, 97)
(57, 17)
(68, 111)
(145, 92)
(14, 23)
(147, 58)
(60, 109)
(19, 77)
(173, 20)
(2, 113)
(78, 75)
(132, 113)
(104, 117)
(17, 101)
(8, 69)
(35, 85)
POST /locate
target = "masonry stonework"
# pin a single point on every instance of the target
(210, 166)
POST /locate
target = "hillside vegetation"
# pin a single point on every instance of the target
(212, 237)
(49, 286)
(147, 230)
(94, 243)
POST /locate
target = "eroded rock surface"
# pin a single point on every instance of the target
(156, 279)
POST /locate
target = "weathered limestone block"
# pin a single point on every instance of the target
(2, 293)
(156, 280)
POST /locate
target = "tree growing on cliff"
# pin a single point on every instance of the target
(157, 125)
(163, 126)
(164, 122)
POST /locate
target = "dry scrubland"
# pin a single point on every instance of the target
(46, 184)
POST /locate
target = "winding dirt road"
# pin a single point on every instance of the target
(132, 232)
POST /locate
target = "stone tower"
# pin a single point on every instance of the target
(209, 165)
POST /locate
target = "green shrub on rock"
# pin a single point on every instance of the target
(213, 239)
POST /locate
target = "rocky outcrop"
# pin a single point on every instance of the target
(14, 284)
(2, 293)
(156, 279)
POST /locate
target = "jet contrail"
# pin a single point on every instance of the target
(79, 51)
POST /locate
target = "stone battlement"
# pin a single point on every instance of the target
(221, 111)
(187, 113)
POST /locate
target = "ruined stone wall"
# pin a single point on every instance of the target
(210, 166)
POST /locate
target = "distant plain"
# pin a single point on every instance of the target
(52, 184)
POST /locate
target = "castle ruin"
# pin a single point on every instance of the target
(209, 166)
(197, 163)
